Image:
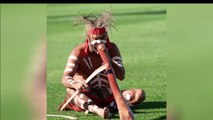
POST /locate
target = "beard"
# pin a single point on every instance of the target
(93, 48)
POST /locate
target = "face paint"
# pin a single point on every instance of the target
(98, 35)
(93, 42)
(96, 39)
(117, 60)
(68, 70)
(92, 48)
(72, 57)
(70, 65)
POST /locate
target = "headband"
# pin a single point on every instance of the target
(97, 31)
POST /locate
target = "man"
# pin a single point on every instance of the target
(96, 95)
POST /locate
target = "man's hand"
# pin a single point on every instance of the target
(102, 47)
(79, 84)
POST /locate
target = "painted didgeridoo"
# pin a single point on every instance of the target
(124, 110)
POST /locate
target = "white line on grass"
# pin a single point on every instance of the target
(63, 116)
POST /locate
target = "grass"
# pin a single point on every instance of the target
(141, 37)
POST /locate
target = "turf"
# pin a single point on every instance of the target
(141, 37)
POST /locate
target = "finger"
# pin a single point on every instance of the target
(78, 88)
(101, 46)
(81, 86)
(83, 82)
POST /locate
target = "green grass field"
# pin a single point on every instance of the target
(141, 37)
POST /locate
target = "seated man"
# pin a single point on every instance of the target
(96, 95)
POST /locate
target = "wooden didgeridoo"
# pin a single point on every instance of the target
(124, 110)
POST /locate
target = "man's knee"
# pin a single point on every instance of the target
(70, 91)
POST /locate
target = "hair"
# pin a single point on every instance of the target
(92, 21)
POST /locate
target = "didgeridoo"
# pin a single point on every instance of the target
(124, 110)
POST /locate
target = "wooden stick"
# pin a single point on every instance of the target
(87, 80)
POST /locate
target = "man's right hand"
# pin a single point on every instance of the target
(80, 85)
(102, 47)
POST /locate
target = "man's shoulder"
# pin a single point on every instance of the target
(79, 47)
(113, 45)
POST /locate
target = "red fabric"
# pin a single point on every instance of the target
(74, 107)
(86, 50)
(95, 99)
(97, 31)
(69, 106)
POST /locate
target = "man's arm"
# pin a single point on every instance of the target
(70, 70)
(116, 62)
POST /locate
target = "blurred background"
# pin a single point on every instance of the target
(166, 49)
(141, 38)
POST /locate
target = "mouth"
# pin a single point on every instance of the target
(94, 43)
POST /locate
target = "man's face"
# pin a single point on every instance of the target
(95, 39)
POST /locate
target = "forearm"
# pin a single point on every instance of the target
(119, 70)
(68, 82)
(77, 84)
(115, 61)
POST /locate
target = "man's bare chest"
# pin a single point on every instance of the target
(88, 64)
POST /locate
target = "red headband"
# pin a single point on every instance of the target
(97, 31)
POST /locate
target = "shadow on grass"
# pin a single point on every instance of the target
(160, 118)
(116, 115)
(150, 105)
(146, 105)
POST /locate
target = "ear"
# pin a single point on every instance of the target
(106, 35)
(88, 37)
